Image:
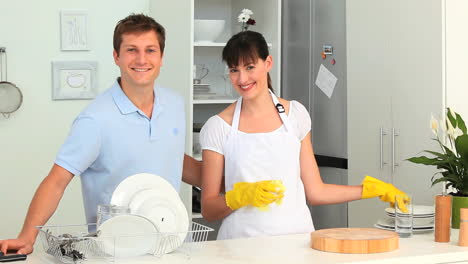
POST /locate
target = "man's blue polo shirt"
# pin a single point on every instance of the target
(112, 139)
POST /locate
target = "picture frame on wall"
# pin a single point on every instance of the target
(74, 80)
(74, 30)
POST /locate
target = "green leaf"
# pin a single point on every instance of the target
(437, 154)
(438, 180)
(461, 123)
(461, 144)
(424, 160)
(453, 178)
(451, 118)
(449, 152)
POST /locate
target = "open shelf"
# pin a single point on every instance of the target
(215, 44)
(214, 101)
(209, 44)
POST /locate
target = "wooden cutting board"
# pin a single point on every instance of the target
(354, 240)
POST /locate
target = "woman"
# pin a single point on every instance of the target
(262, 146)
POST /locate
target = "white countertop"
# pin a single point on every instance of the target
(420, 248)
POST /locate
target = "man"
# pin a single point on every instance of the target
(131, 128)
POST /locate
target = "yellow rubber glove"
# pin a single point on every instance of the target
(372, 187)
(259, 194)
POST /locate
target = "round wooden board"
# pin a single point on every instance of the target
(354, 240)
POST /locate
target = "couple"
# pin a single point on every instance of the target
(260, 145)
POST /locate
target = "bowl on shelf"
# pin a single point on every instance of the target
(208, 30)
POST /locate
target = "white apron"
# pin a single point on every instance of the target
(252, 157)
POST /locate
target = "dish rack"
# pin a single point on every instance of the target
(80, 244)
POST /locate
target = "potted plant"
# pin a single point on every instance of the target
(452, 160)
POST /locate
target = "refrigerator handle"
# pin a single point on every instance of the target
(382, 133)
(394, 164)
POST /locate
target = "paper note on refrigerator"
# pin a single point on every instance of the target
(326, 81)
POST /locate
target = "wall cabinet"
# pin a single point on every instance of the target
(396, 79)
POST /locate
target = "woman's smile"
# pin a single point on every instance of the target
(247, 87)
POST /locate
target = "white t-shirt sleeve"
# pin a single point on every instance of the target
(300, 119)
(213, 134)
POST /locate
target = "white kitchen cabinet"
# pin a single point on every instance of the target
(397, 69)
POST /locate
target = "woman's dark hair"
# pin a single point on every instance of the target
(247, 46)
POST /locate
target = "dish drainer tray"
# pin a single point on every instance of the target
(75, 243)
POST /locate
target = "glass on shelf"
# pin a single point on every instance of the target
(230, 92)
(200, 71)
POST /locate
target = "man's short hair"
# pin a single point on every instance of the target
(138, 23)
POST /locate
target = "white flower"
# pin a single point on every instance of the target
(450, 130)
(434, 125)
(247, 12)
(458, 132)
(442, 125)
(449, 146)
(243, 18)
(452, 113)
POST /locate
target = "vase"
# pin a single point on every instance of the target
(457, 203)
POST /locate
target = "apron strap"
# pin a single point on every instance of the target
(281, 112)
(235, 120)
(279, 107)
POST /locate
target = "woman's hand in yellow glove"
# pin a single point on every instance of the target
(372, 187)
(258, 194)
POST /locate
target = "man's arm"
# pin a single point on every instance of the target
(191, 173)
(43, 205)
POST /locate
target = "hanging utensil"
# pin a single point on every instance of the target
(11, 97)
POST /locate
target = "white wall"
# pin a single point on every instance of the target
(457, 56)
(30, 138)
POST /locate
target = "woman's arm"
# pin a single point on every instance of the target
(213, 203)
(317, 192)
(191, 173)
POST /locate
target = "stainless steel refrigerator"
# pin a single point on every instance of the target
(309, 26)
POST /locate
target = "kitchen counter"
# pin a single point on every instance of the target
(420, 248)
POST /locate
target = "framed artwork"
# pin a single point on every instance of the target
(73, 80)
(74, 30)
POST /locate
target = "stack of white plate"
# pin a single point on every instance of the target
(151, 198)
(202, 90)
(423, 219)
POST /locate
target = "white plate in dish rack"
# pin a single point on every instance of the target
(125, 191)
(154, 198)
(168, 214)
(127, 236)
